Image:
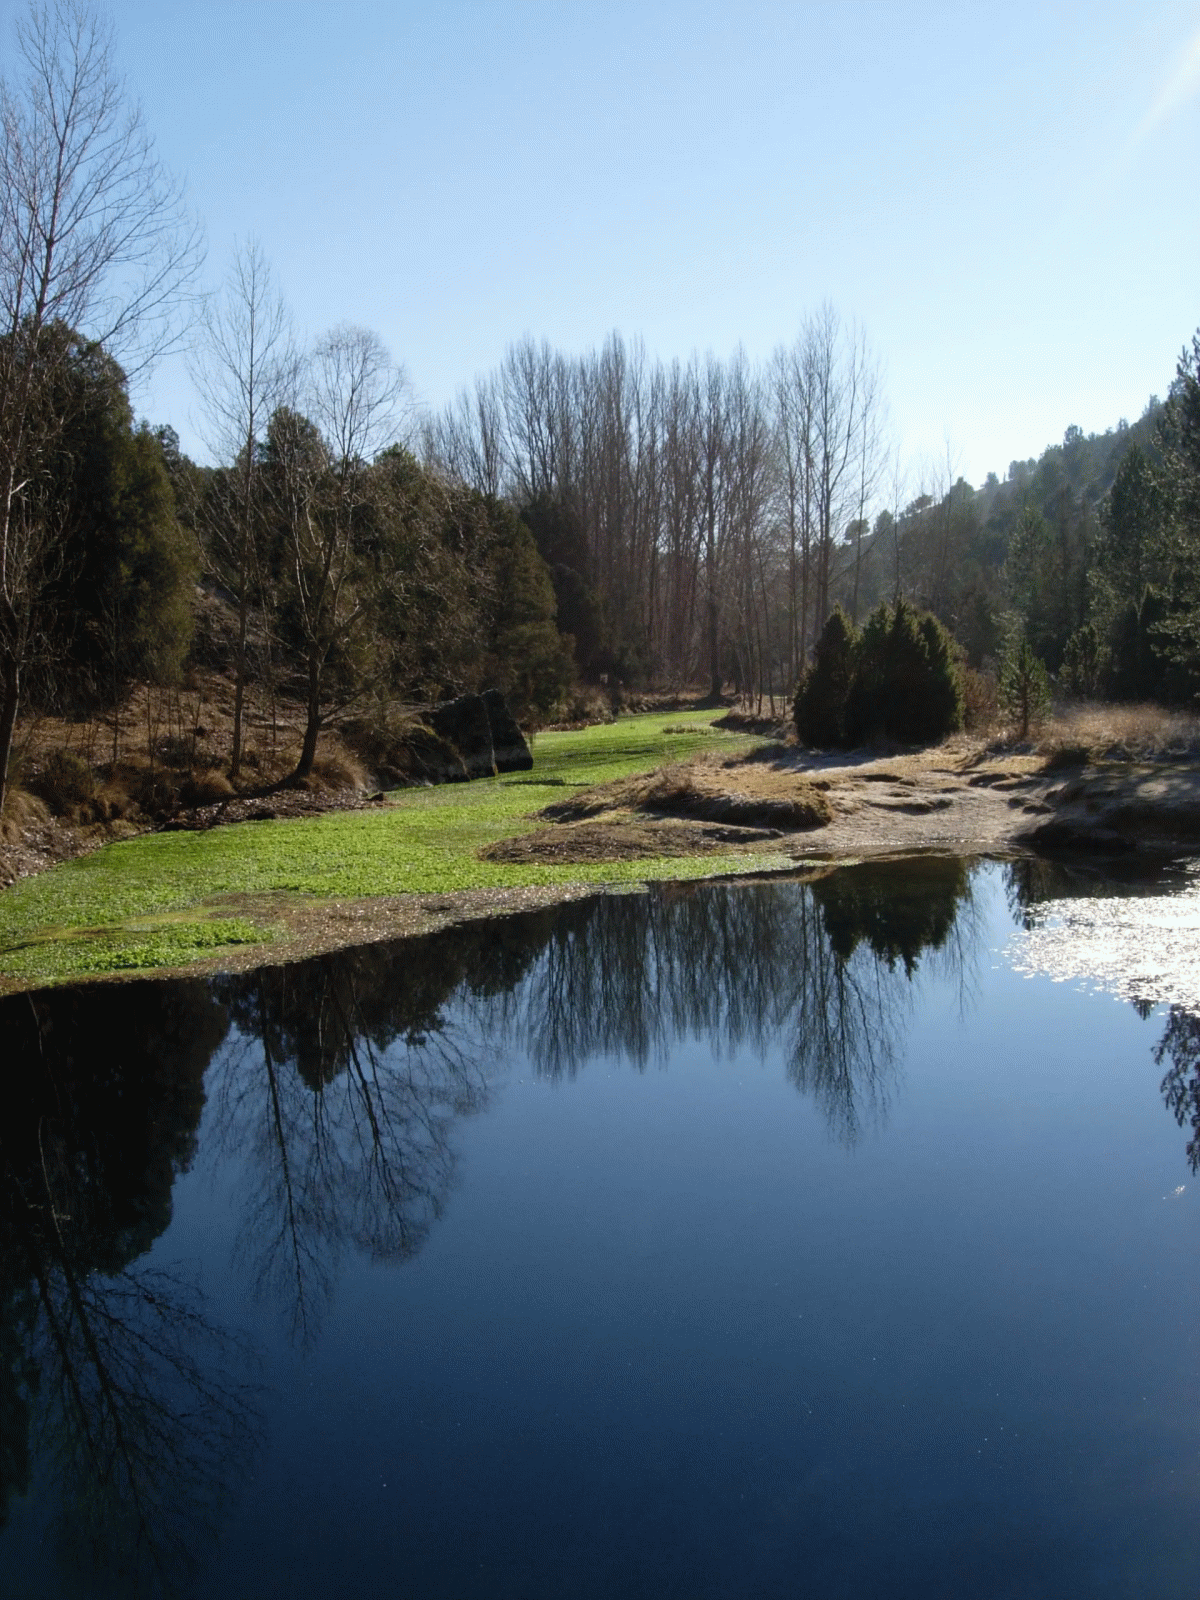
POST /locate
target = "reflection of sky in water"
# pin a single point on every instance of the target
(759, 1240)
(1137, 948)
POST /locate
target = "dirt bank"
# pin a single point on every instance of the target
(960, 798)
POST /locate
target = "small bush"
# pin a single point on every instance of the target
(336, 768)
(64, 782)
(587, 706)
(981, 703)
(205, 789)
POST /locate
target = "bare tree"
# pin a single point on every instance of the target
(245, 366)
(354, 394)
(93, 238)
(467, 440)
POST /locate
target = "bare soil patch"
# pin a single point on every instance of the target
(965, 796)
(640, 840)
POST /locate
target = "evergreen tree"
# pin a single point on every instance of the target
(823, 692)
(898, 680)
(1024, 685)
(907, 685)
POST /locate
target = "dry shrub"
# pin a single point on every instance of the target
(114, 801)
(585, 707)
(64, 781)
(22, 810)
(1079, 733)
(337, 768)
(981, 700)
(206, 788)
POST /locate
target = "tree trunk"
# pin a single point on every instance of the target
(312, 726)
(10, 699)
(239, 683)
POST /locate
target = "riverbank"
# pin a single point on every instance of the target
(647, 798)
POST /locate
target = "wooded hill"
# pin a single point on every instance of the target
(353, 580)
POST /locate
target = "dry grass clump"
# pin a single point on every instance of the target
(1075, 735)
(206, 788)
(981, 700)
(22, 811)
(336, 767)
(697, 790)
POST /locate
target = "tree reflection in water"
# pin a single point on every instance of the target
(347, 1073)
(823, 968)
(134, 1405)
(341, 1090)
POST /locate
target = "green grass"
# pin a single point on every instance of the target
(149, 902)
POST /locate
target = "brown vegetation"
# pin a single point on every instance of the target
(704, 791)
(1097, 779)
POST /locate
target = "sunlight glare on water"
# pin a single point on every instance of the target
(1143, 949)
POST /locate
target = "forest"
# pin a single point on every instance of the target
(605, 520)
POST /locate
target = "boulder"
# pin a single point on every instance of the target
(464, 724)
(509, 749)
(425, 757)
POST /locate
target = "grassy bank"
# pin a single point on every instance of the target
(166, 900)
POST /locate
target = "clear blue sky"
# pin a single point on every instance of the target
(1003, 196)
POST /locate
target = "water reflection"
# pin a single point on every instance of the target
(820, 971)
(344, 1140)
(334, 1088)
(345, 1075)
(135, 1405)
(1135, 935)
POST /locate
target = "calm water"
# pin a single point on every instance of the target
(830, 1240)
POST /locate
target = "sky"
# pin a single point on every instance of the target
(1001, 197)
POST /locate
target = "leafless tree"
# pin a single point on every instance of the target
(829, 424)
(94, 238)
(713, 501)
(244, 367)
(468, 440)
(353, 399)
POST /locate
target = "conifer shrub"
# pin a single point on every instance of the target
(1024, 686)
(899, 679)
(823, 692)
